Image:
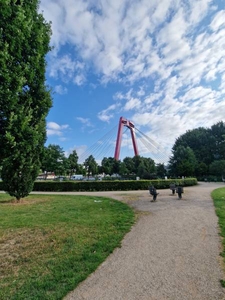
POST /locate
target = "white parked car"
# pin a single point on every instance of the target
(77, 177)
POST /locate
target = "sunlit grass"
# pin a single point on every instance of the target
(219, 202)
(48, 244)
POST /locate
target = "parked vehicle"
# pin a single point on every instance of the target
(77, 177)
(60, 178)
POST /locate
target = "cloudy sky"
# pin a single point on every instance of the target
(160, 64)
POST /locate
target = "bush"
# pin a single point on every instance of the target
(211, 178)
(126, 185)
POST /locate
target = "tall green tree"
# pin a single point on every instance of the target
(24, 98)
(146, 168)
(208, 144)
(91, 166)
(73, 162)
(129, 163)
(54, 160)
(201, 141)
(182, 162)
(123, 169)
(161, 170)
(107, 165)
(218, 133)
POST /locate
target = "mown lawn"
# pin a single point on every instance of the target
(48, 244)
(218, 196)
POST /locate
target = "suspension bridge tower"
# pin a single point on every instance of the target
(130, 125)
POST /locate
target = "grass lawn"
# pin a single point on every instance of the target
(218, 196)
(50, 243)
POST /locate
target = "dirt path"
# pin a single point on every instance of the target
(172, 252)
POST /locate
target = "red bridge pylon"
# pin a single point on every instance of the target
(130, 125)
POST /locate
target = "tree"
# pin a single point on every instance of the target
(137, 160)
(217, 168)
(218, 132)
(145, 167)
(91, 166)
(73, 162)
(201, 169)
(183, 162)
(208, 144)
(129, 163)
(25, 99)
(116, 166)
(123, 170)
(54, 160)
(161, 170)
(141, 170)
(107, 165)
(201, 141)
(149, 165)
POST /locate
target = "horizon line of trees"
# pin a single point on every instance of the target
(197, 153)
(54, 160)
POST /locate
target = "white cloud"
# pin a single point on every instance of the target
(79, 79)
(132, 104)
(66, 69)
(59, 89)
(80, 149)
(107, 114)
(127, 24)
(56, 129)
(222, 84)
(129, 48)
(198, 10)
(218, 20)
(85, 121)
(198, 92)
(173, 42)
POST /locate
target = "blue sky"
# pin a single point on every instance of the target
(160, 64)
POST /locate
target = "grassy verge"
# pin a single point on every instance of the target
(218, 196)
(48, 244)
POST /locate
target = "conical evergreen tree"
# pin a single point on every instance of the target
(24, 98)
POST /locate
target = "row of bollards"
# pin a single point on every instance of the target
(173, 187)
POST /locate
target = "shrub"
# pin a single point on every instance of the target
(126, 185)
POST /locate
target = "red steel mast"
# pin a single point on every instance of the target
(130, 125)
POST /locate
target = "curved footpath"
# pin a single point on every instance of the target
(172, 252)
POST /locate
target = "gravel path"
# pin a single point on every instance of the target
(172, 252)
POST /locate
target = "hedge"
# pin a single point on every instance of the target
(126, 185)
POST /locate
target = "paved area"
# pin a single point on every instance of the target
(171, 253)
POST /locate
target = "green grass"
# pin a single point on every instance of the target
(48, 244)
(218, 196)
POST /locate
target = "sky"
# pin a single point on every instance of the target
(159, 64)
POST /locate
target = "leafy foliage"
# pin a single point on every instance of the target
(112, 185)
(207, 144)
(73, 162)
(54, 160)
(217, 168)
(218, 196)
(25, 100)
(91, 166)
(183, 162)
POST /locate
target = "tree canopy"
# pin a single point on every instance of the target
(207, 144)
(183, 162)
